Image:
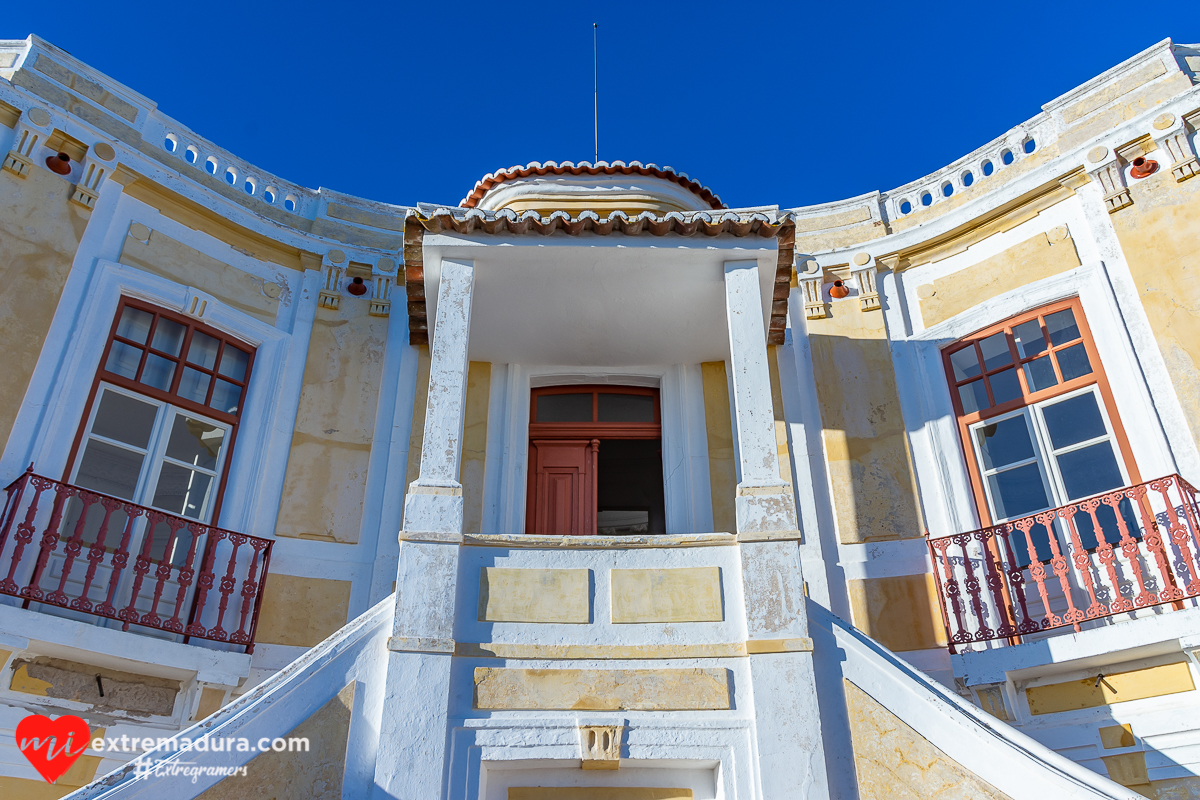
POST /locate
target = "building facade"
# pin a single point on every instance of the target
(885, 497)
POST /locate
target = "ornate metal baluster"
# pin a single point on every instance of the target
(226, 588)
(1038, 570)
(939, 587)
(95, 554)
(24, 534)
(120, 559)
(33, 590)
(1154, 541)
(249, 592)
(1179, 533)
(1130, 549)
(1059, 564)
(141, 566)
(1016, 579)
(14, 492)
(1079, 556)
(953, 594)
(262, 580)
(162, 572)
(73, 548)
(973, 587)
(995, 584)
(1187, 494)
(186, 573)
(204, 583)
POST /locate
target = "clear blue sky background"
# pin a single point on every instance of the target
(787, 103)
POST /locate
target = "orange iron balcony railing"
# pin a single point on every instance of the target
(70, 548)
(1071, 567)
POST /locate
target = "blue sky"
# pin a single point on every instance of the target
(781, 103)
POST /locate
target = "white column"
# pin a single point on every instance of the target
(764, 504)
(434, 502)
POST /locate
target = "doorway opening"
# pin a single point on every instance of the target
(595, 461)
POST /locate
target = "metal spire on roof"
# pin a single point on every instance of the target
(596, 90)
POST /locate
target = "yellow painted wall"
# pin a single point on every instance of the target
(894, 761)
(185, 265)
(718, 423)
(874, 494)
(781, 432)
(900, 612)
(1038, 257)
(1160, 236)
(417, 437)
(301, 611)
(474, 444)
(39, 234)
(1118, 687)
(327, 468)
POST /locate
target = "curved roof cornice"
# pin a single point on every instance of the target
(538, 168)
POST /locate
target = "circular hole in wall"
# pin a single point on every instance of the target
(947, 189)
(289, 203)
(211, 166)
(967, 178)
(249, 186)
(230, 176)
(905, 207)
(926, 199)
(191, 155)
(269, 195)
(1029, 145)
(1007, 157)
(988, 168)
(170, 144)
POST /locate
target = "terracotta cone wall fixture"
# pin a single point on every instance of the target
(60, 163)
(357, 287)
(839, 289)
(1143, 167)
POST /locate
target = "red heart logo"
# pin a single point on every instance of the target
(52, 745)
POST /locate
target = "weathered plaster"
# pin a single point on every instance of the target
(1117, 687)
(69, 680)
(602, 689)
(894, 762)
(301, 611)
(474, 445)
(331, 448)
(874, 494)
(164, 256)
(534, 595)
(313, 775)
(1036, 258)
(597, 793)
(39, 233)
(900, 612)
(721, 468)
(666, 595)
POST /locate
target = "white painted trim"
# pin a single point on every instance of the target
(684, 439)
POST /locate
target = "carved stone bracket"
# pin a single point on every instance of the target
(32, 130)
(863, 268)
(812, 281)
(383, 275)
(335, 269)
(1107, 170)
(601, 745)
(101, 159)
(1171, 136)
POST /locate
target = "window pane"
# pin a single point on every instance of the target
(564, 407)
(1029, 339)
(194, 384)
(1018, 491)
(233, 363)
(995, 351)
(626, 408)
(1061, 327)
(1075, 420)
(158, 372)
(226, 396)
(203, 350)
(134, 325)
(965, 363)
(109, 469)
(182, 491)
(973, 396)
(123, 359)
(1073, 361)
(1039, 374)
(125, 419)
(195, 442)
(1005, 386)
(1005, 442)
(168, 336)
(1089, 470)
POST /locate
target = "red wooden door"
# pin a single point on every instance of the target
(562, 478)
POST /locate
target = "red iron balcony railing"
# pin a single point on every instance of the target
(1115, 553)
(188, 579)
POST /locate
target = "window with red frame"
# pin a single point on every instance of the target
(1038, 422)
(163, 414)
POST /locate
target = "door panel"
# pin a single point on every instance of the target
(563, 479)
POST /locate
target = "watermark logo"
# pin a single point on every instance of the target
(52, 745)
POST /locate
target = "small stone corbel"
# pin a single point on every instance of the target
(383, 275)
(863, 269)
(1171, 136)
(100, 161)
(32, 129)
(601, 746)
(1106, 169)
(812, 280)
(331, 297)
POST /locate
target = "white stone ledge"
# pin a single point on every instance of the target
(664, 540)
(59, 637)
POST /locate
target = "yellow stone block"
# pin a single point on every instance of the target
(900, 612)
(1127, 769)
(666, 595)
(601, 689)
(1113, 736)
(534, 595)
(301, 611)
(210, 702)
(1119, 687)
